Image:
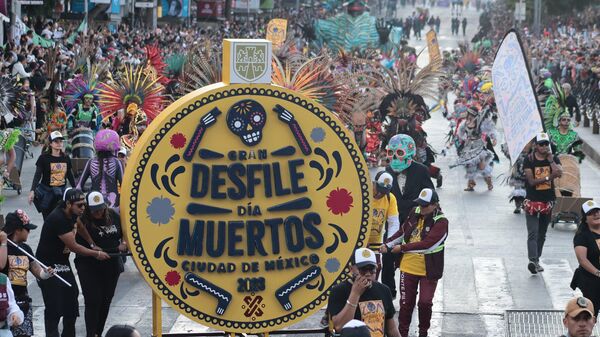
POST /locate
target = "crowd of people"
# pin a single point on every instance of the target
(73, 91)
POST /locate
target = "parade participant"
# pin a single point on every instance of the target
(541, 168)
(105, 170)
(80, 95)
(84, 115)
(385, 213)
(517, 180)
(57, 241)
(98, 278)
(10, 314)
(122, 155)
(587, 276)
(420, 240)
(17, 227)
(474, 153)
(410, 178)
(53, 171)
(363, 298)
(133, 100)
(122, 331)
(571, 103)
(564, 137)
(579, 319)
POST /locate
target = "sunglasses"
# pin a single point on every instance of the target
(565, 119)
(544, 144)
(79, 204)
(399, 153)
(367, 270)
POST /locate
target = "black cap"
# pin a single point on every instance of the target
(72, 194)
(14, 221)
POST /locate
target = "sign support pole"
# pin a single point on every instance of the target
(156, 315)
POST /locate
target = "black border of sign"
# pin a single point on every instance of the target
(257, 326)
(531, 84)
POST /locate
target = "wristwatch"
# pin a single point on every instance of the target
(597, 273)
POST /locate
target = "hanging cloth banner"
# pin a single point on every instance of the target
(516, 100)
(82, 27)
(433, 46)
(277, 31)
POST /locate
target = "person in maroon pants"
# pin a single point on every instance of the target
(420, 241)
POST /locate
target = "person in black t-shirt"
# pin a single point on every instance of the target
(57, 241)
(587, 250)
(541, 167)
(99, 228)
(53, 170)
(17, 227)
(363, 298)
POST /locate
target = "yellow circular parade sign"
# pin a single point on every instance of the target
(244, 204)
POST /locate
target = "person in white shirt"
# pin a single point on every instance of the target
(19, 68)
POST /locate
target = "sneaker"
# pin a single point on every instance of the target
(539, 268)
(439, 180)
(532, 267)
(517, 210)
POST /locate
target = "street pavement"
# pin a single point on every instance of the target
(485, 271)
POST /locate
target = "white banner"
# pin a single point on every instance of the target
(516, 100)
(246, 4)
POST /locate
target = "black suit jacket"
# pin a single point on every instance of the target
(417, 178)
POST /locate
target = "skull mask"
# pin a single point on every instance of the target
(246, 119)
(400, 151)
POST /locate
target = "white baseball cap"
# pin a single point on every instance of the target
(426, 197)
(384, 182)
(589, 206)
(123, 151)
(95, 201)
(542, 137)
(364, 257)
(56, 135)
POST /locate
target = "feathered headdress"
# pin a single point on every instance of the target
(133, 87)
(80, 86)
(155, 65)
(201, 68)
(469, 62)
(12, 99)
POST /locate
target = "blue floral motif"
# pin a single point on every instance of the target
(317, 135)
(160, 210)
(332, 265)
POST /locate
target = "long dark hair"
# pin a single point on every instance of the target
(88, 220)
(103, 159)
(583, 225)
(120, 331)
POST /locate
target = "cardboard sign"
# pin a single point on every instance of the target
(516, 100)
(246, 203)
(277, 31)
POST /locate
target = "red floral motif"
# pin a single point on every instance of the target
(173, 278)
(339, 201)
(178, 140)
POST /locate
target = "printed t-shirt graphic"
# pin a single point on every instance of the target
(18, 265)
(542, 172)
(373, 314)
(58, 172)
(414, 263)
(382, 209)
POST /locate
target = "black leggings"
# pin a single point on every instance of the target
(98, 283)
(60, 300)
